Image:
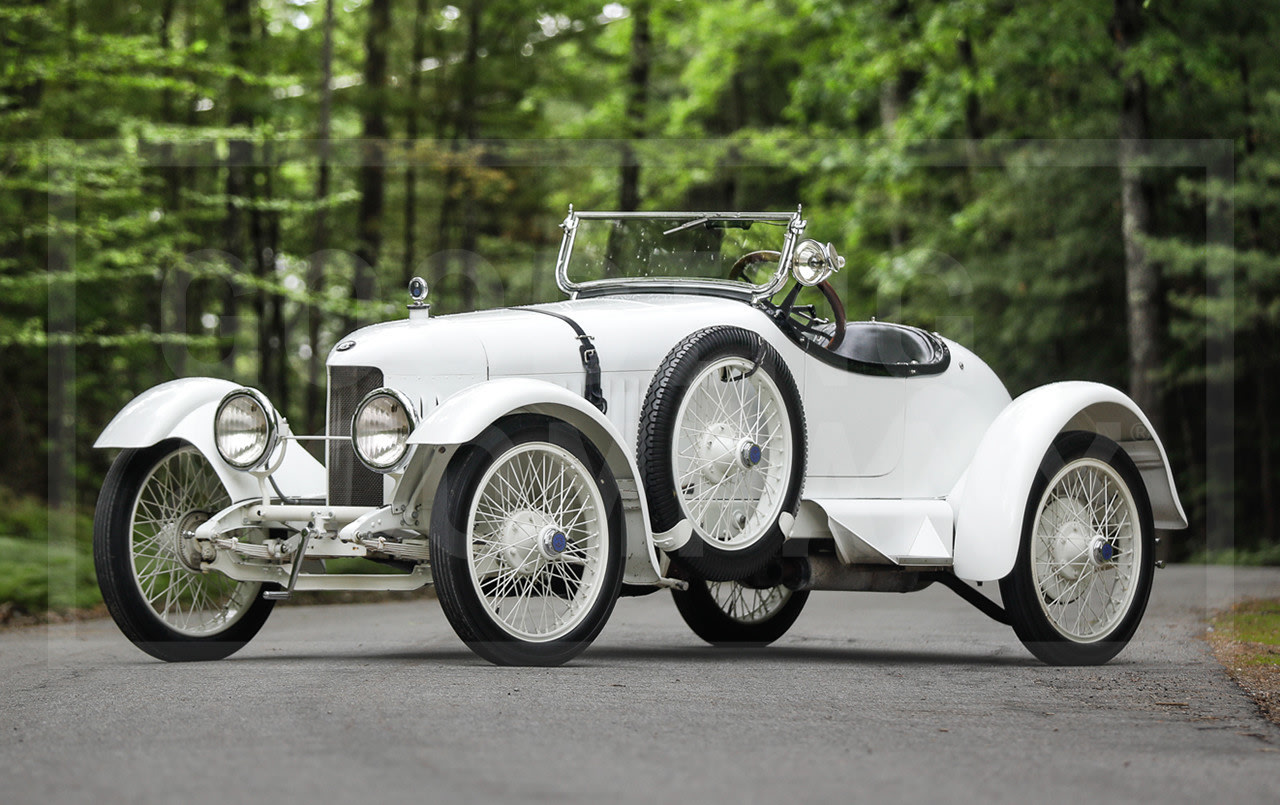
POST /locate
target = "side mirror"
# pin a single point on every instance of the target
(813, 262)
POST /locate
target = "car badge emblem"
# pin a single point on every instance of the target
(346, 345)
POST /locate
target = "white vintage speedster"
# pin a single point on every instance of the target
(681, 422)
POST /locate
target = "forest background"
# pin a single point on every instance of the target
(1074, 189)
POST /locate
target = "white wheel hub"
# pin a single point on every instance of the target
(521, 539)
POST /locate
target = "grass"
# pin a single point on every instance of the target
(39, 575)
(1246, 639)
(1264, 555)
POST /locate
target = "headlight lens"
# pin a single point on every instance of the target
(380, 429)
(245, 429)
(814, 263)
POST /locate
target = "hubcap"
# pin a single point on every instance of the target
(552, 542)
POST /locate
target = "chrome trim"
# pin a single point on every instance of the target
(414, 419)
(273, 426)
(795, 227)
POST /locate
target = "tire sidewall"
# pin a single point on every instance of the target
(448, 538)
(113, 564)
(1019, 591)
(698, 607)
(657, 439)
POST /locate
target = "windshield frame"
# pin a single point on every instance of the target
(795, 225)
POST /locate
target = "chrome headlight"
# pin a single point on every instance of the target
(380, 429)
(813, 263)
(246, 428)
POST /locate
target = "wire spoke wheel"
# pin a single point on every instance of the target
(748, 604)
(149, 565)
(1085, 552)
(732, 453)
(538, 543)
(181, 492)
(526, 542)
(1081, 581)
(732, 614)
(722, 446)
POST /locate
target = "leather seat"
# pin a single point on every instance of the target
(890, 345)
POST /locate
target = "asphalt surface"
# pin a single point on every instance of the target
(870, 697)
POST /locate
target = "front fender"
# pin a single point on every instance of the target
(155, 413)
(184, 409)
(991, 499)
(461, 417)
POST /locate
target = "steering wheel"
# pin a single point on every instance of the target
(802, 317)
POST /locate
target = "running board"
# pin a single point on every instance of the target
(909, 533)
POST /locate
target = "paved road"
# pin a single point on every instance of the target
(869, 698)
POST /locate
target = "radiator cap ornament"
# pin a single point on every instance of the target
(418, 307)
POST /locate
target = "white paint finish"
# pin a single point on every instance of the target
(447, 347)
(855, 421)
(184, 409)
(990, 507)
(464, 415)
(903, 531)
(947, 416)
(153, 414)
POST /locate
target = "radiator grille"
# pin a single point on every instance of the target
(350, 482)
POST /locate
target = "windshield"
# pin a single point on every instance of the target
(607, 249)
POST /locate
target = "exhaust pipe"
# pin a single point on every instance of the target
(829, 573)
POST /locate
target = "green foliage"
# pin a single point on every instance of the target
(44, 568)
(161, 211)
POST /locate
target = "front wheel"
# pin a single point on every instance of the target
(728, 613)
(149, 567)
(1083, 574)
(527, 542)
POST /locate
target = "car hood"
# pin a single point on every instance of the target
(631, 333)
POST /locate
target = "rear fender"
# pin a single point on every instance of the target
(463, 416)
(991, 498)
(184, 409)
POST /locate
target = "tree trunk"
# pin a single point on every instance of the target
(470, 129)
(372, 171)
(1263, 383)
(320, 238)
(413, 114)
(240, 152)
(637, 104)
(1142, 274)
(173, 358)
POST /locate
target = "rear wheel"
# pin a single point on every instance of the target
(1083, 574)
(148, 565)
(527, 543)
(728, 613)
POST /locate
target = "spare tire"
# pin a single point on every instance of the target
(722, 444)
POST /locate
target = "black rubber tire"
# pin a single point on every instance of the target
(1018, 589)
(657, 424)
(448, 544)
(113, 562)
(710, 622)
